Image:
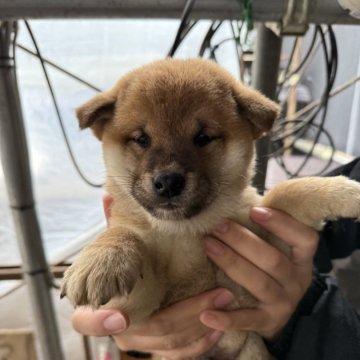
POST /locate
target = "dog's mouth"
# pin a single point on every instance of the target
(166, 210)
(168, 205)
(171, 209)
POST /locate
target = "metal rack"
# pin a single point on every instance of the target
(290, 15)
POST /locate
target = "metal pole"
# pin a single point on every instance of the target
(15, 161)
(267, 58)
(321, 11)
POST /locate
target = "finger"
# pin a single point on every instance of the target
(243, 272)
(301, 238)
(107, 201)
(257, 251)
(194, 349)
(174, 326)
(183, 314)
(129, 340)
(99, 322)
(239, 320)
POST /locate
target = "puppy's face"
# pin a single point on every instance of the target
(178, 134)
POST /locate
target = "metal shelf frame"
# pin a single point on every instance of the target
(320, 11)
(13, 143)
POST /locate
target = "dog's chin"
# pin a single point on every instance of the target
(167, 213)
(171, 211)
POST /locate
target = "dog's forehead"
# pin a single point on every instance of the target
(185, 79)
(171, 92)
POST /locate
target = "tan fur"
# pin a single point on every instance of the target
(150, 257)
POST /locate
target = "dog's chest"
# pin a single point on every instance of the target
(181, 260)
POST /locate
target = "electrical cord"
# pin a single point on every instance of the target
(183, 27)
(223, 41)
(59, 68)
(304, 124)
(206, 43)
(332, 63)
(57, 110)
(280, 159)
(236, 38)
(303, 62)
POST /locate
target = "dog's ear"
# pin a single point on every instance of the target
(96, 112)
(260, 111)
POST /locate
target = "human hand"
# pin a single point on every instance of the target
(173, 333)
(275, 280)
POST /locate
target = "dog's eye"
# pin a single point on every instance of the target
(202, 139)
(143, 140)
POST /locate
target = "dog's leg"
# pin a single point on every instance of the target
(312, 200)
(109, 266)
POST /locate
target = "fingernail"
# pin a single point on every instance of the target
(223, 299)
(115, 323)
(261, 213)
(222, 228)
(214, 247)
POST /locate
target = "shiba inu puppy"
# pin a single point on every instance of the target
(178, 141)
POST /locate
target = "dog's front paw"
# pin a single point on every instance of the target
(102, 271)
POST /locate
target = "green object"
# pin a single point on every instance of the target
(247, 15)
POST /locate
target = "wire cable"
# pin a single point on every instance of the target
(280, 159)
(303, 125)
(303, 62)
(59, 68)
(183, 27)
(331, 66)
(57, 110)
(206, 43)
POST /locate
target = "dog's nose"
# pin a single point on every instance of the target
(168, 184)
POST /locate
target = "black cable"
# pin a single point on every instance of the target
(287, 75)
(57, 109)
(287, 69)
(307, 56)
(188, 28)
(206, 43)
(223, 41)
(59, 68)
(184, 24)
(331, 66)
(305, 59)
(331, 62)
(280, 159)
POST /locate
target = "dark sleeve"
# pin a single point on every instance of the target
(339, 238)
(324, 327)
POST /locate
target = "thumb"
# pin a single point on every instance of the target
(99, 322)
